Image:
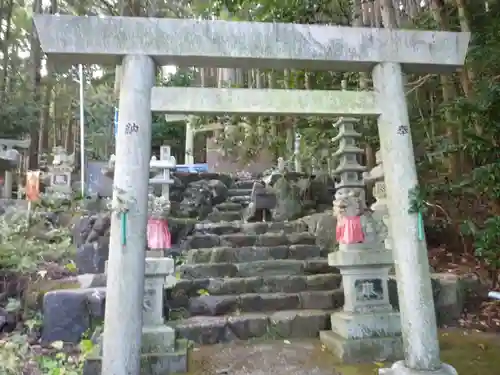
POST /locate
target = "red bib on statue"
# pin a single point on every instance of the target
(349, 230)
(158, 234)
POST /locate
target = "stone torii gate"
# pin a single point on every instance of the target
(140, 43)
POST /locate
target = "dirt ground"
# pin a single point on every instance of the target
(470, 352)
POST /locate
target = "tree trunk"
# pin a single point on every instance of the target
(5, 47)
(449, 93)
(467, 76)
(35, 81)
(43, 140)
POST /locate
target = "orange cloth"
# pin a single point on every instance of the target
(33, 185)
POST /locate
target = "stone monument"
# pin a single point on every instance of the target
(367, 329)
(262, 201)
(9, 160)
(348, 169)
(60, 171)
(384, 52)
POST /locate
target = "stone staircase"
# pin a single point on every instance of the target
(231, 209)
(253, 280)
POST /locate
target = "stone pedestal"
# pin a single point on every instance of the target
(367, 329)
(161, 353)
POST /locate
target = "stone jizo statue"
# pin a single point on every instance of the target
(355, 223)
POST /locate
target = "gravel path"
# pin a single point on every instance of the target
(301, 357)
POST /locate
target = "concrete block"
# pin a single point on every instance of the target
(262, 101)
(215, 43)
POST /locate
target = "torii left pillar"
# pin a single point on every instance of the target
(125, 277)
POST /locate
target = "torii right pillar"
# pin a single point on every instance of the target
(418, 318)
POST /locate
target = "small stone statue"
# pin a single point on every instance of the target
(355, 223)
(348, 211)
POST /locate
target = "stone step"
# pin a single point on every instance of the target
(240, 192)
(208, 330)
(220, 216)
(244, 184)
(256, 269)
(250, 228)
(229, 206)
(254, 253)
(243, 199)
(186, 289)
(208, 305)
(198, 241)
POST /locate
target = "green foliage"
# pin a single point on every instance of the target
(18, 357)
(486, 241)
(27, 243)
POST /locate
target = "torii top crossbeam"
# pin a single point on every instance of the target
(186, 42)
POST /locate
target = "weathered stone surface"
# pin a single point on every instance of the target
(197, 200)
(262, 102)
(246, 44)
(199, 241)
(91, 237)
(251, 254)
(325, 299)
(268, 302)
(240, 192)
(268, 357)
(68, 314)
(262, 201)
(229, 206)
(219, 216)
(174, 362)
(248, 326)
(213, 305)
(200, 271)
(282, 324)
(300, 323)
(258, 268)
(251, 228)
(91, 257)
(263, 302)
(204, 329)
(270, 239)
(288, 195)
(322, 225)
(243, 199)
(186, 288)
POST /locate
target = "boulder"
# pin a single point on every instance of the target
(322, 225)
(200, 196)
(219, 191)
(68, 314)
(91, 237)
(180, 228)
(92, 257)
